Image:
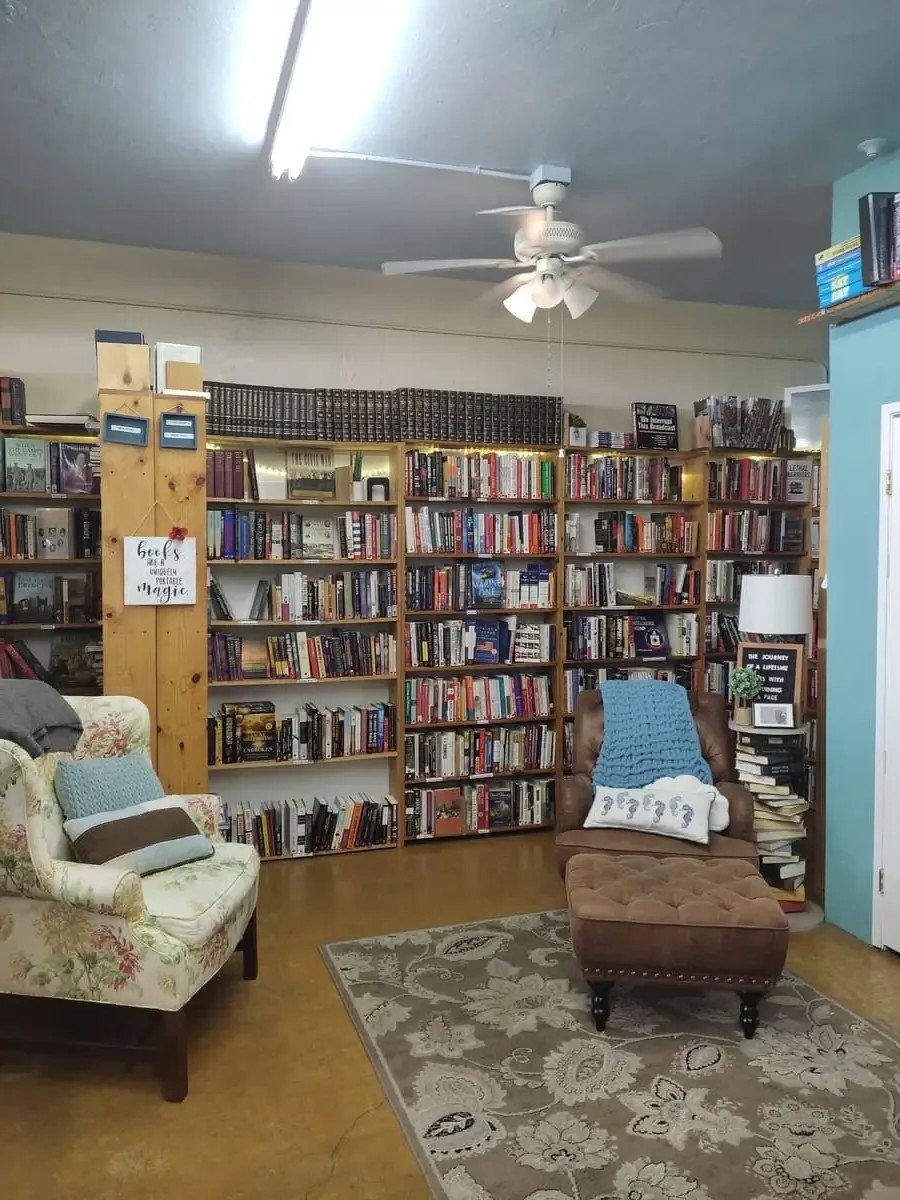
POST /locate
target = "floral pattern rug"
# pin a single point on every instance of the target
(484, 1042)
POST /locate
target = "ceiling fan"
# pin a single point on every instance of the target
(562, 267)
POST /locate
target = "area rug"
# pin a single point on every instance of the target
(484, 1043)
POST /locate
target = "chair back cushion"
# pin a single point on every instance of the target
(88, 786)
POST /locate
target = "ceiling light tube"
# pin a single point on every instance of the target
(343, 58)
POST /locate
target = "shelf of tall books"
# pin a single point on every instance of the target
(49, 553)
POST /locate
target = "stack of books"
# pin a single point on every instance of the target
(741, 422)
(773, 768)
(839, 272)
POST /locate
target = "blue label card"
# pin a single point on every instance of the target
(177, 431)
(126, 430)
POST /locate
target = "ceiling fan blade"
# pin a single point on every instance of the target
(447, 264)
(506, 288)
(680, 243)
(615, 284)
(509, 209)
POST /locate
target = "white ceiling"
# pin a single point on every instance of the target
(144, 122)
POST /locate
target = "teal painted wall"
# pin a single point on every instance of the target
(865, 375)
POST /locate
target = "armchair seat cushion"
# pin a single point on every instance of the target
(627, 841)
(192, 902)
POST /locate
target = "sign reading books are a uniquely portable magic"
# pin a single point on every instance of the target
(781, 666)
(125, 430)
(655, 426)
(160, 570)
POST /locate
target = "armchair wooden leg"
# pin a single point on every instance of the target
(173, 1066)
(248, 947)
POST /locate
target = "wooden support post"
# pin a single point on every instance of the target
(126, 495)
(181, 629)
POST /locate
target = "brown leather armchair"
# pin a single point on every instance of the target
(716, 744)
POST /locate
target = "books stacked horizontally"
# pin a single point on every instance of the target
(31, 464)
(342, 654)
(741, 423)
(478, 640)
(234, 536)
(469, 531)
(254, 732)
(472, 586)
(754, 531)
(593, 585)
(638, 635)
(476, 698)
(478, 808)
(588, 679)
(445, 475)
(302, 827)
(623, 477)
(773, 768)
(465, 753)
(340, 596)
(839, 273)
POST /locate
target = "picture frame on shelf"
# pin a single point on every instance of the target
(773, 716)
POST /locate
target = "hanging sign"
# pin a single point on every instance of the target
(126, 430)
(160, 570)
(177, 431)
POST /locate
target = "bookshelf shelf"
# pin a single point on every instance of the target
(782, 505)
(588, 555)
(548, 772)
(537, 827)
(631, 662)
(631, 505)
(281, 564)
(628, 610)
(604, 452)
(754, 555)
(50, 498)
(325, 853)
(58, 627)
(48, 564)
(510, 501)
(263, 763)
(886, 296)
(433, 555)
(217, 441)
(466, 668)
(59, 434)
(479, 723)
(339, 621)
(242, 683)
(413, 614)
(225, 502)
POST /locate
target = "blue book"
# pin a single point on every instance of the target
(487, 584)
(851, 271)
(125, 336)
(851, 258)
(487, 641)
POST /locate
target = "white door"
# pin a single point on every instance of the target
(887, 858)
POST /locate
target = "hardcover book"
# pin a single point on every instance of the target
(487, 584)
(318, 537)
(25, 463)
(75, 474)
(448, 815)
(650, 636)
(33, 598)
(487, 642)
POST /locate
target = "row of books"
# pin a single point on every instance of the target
(299, 597)
(403, 414)
(478, 808)
(588, 679)
(479, 585)
(773, 769)
(457, 643)
(30, 464)
(50, 533)
(623, 477)
(303, 826)
(41, 598)
(721, 633)
(444, 474)
(342, 654)
(75, 662)
(778, 480)
(717, 676)
(237, 536)
(468, 753)
(741, 423)
(638, 635)
(254, 732)
(470, 531)
(754, 531)
(476, 698)
(636, 533)
(593, 585)
(723, 578)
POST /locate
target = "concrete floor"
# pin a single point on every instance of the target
(283, 1102)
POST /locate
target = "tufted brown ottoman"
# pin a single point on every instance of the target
(688, 921)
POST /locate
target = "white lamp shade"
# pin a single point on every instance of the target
(776, 604)
(520, 303)
(578, 298)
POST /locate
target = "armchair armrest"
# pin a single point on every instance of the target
(740, 810)
(575, 803)
(114, 891)
(205, 809)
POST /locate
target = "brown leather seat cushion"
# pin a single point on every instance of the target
(629, 841)
(661, 918)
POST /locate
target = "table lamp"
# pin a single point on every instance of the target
(776, 606)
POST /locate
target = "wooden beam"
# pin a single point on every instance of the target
(181, 630)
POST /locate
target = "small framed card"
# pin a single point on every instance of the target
(773, 716)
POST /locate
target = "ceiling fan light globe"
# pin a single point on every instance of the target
(578, 299)
(521, 303)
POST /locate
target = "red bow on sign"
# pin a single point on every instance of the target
(178, 533)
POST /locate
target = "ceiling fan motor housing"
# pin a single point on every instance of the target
(553, 237)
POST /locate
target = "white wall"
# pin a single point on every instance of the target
(280, 323)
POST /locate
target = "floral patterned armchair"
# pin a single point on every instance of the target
(103, 933)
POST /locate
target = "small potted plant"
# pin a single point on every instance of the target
(745, 685)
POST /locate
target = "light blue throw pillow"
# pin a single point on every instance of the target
(90, 786)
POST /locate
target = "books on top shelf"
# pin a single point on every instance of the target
(593, 585)
(481, 585)
(458, 643)
(255, 732)
(624, 477)
(755, 531)
(741, 423)
(444, 474)
(44, 467)
(454, 811)
(403, 414)
(301, 656)
(237, 536)
(469, 531)
(643, 635)
(476, 698)
(305, 826)
(461, 753)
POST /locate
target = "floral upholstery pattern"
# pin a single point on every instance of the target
(104, 934)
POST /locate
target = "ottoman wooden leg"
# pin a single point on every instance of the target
(749, 1012)
(600, 1004)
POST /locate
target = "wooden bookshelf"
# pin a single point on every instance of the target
(265, 763)
(51, 498)
(242, 683)
(886, 296)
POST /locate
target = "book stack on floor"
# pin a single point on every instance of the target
(773, 767)
(305, 826)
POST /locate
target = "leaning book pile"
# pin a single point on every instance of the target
(773, 768)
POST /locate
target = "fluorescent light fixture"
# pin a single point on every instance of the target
(578, 298)
(520, 303)
(344, 56)
(260, 41)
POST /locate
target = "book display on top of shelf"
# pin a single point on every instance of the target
(741, 422)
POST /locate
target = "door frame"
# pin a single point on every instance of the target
(889, 413)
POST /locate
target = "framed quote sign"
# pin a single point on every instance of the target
(781, 666)
(160, 570)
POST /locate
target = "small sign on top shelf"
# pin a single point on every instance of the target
(655, 426)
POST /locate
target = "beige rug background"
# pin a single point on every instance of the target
(483, 1040)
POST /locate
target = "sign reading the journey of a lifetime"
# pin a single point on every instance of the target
(655, 426)
(160, 570)
(780, 666)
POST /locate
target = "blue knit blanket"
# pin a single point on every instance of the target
(648, 732)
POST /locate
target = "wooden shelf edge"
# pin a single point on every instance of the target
(217, 683)
(324, 853)
(426, 838)
(264, 763)
(879, 299)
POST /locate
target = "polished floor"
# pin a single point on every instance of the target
(283, 1102)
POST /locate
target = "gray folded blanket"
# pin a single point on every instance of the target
(36, 717)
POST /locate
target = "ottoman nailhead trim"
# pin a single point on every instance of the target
(703, 977)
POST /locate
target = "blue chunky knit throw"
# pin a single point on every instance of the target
(648, 732)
